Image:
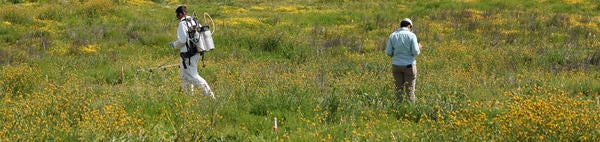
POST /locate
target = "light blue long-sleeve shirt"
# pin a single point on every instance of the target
(403, 47)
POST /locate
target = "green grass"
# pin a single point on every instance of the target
(318, 66)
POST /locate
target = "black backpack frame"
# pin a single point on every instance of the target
(190, 44)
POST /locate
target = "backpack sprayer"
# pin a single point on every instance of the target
(204, 42)
(199, 38)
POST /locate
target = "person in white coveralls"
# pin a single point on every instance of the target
(188, 66)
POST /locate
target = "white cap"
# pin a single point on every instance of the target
(408, 20)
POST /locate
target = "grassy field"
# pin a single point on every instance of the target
(490, 70)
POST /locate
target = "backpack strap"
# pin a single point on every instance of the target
(182, 55)
(203, 64)
(187, 54)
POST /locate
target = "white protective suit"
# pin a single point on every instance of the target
(189, 76)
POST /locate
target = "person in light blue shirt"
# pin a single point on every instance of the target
(403, 47)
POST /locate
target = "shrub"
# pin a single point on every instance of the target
(16, 15)
(549, 115)
(18, 79)
(9, 34)
(95, 8)
(595, 58)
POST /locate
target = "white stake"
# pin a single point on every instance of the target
(275, 124)
(122, 74)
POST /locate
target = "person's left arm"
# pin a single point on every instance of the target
(416, 46)
(181, 36)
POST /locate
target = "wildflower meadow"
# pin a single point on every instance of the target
(489, 70)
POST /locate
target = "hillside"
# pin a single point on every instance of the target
(497, 70)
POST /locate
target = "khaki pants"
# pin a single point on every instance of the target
(405, 79)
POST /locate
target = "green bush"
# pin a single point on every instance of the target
(9, 35)
(20, 79)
